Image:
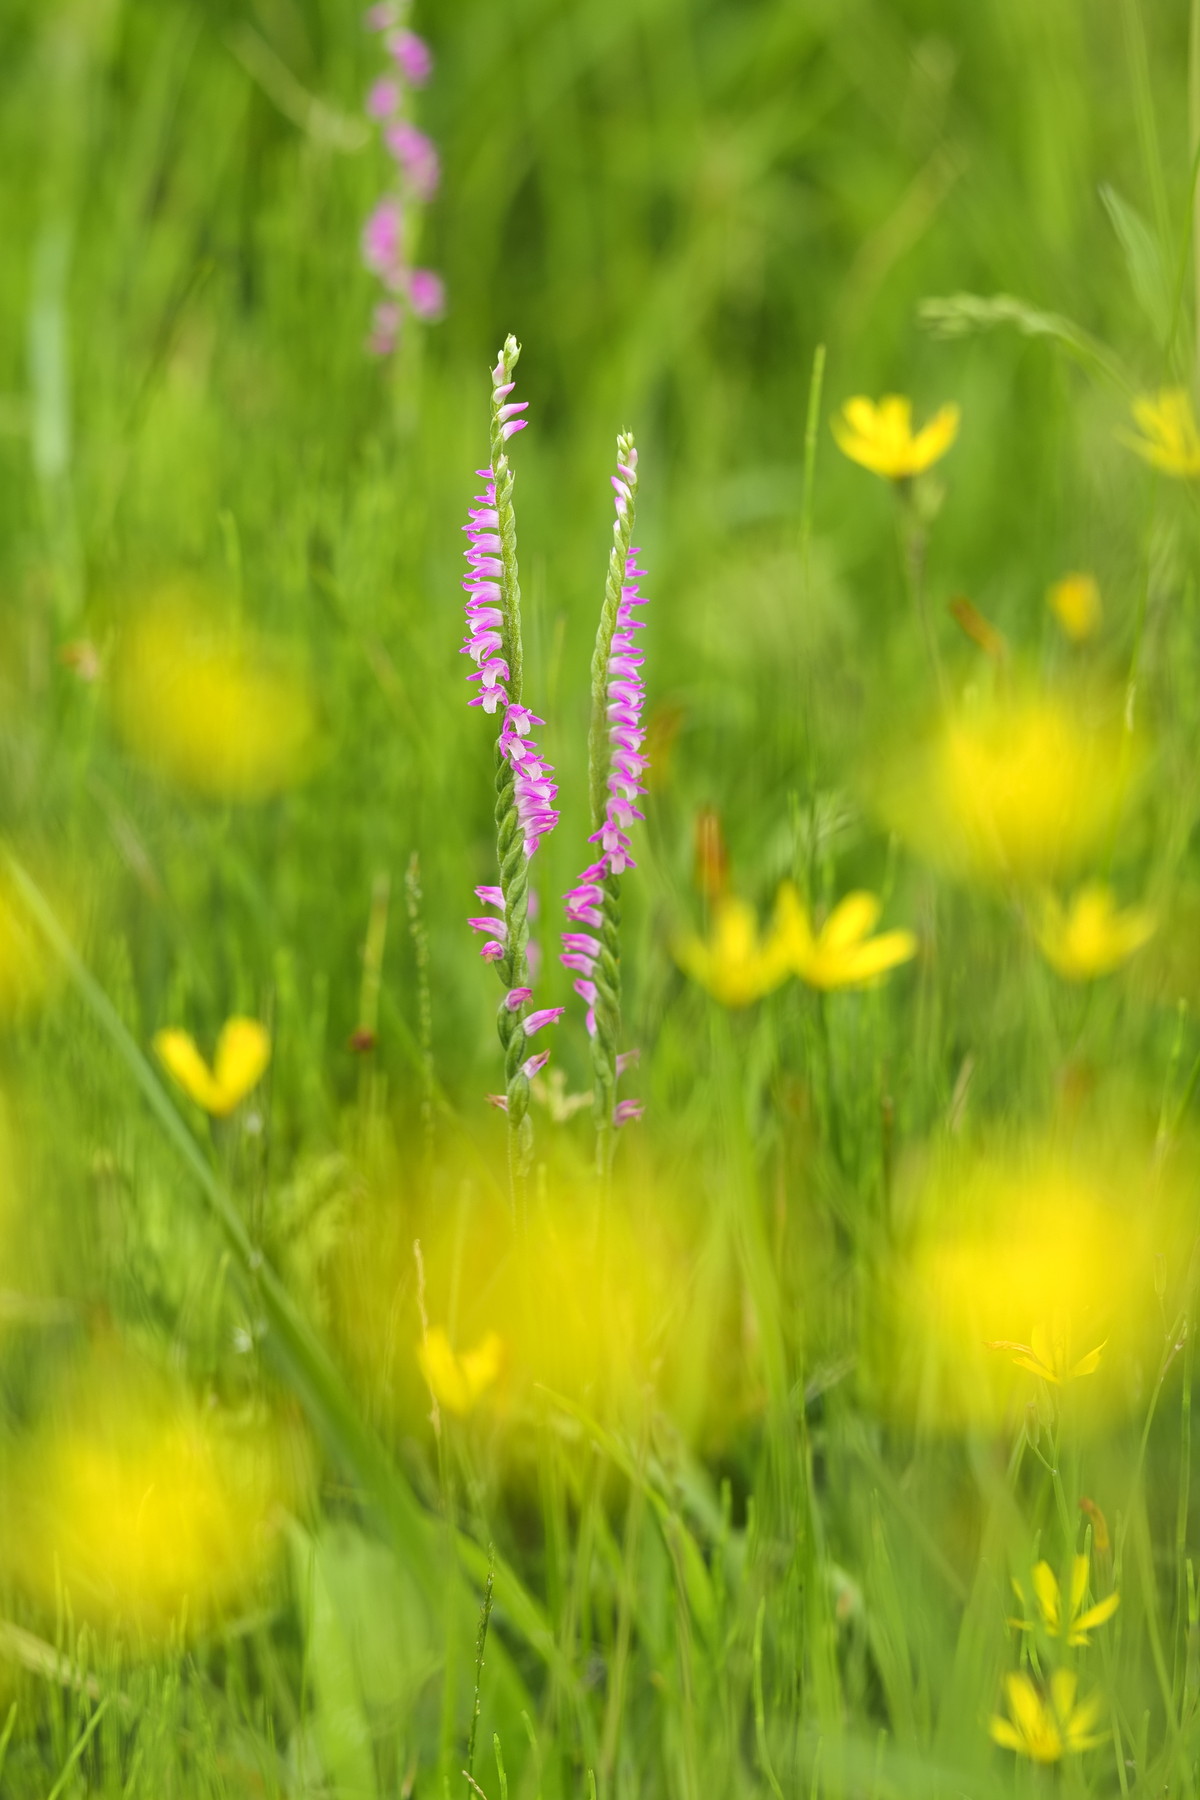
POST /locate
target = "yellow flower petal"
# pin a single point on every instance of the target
(866, 962)
(1006, 1735)
(860, 414)
(1040, 1735)
(850, 921)
(482, 1365)
(1079, 1583)
(842, 955)
(1087, 1365)
(792, 926)
(1045, 1586)
(443, 1371)
(177, 1052)
(1094, 1616)
(933, 442)
(1036, 1367)
(243, 1052)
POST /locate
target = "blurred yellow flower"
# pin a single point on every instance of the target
(996, 1244)
(457, 1381)
(736, 965)
(1047, 1727)
(1070, 1622)
(1075, 603)
(1016, 789)
(243, 1052)
(880, 436)
(1091, 936)
(208, 707)
(28, 971)
(1048, 1355)
(150, 1505)
(843, 953)
(1170, 439)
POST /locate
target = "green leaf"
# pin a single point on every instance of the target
(1143, 257)
(959, 315)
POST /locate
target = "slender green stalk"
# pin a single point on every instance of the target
(480, 1646)
(812, 422)
(760, 1714)
(912, 539)
(420, 941)
(1145, 115)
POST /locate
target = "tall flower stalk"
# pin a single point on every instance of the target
(525, 786)
(616, 764)
(390, 234)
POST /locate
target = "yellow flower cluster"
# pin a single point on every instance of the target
(738, 965)
(1048, 1723)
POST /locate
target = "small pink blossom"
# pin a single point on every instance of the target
(383, 100)
(417, 156)
(381, 17)
(413, 57)
(382, 236)
(426, 294)
(545, 1015)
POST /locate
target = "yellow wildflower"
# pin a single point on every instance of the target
(1075, 603)
(212, 709)
(1070, 1622)
(1091, 937)
(1045, 1727)
(243, 1052)
(27, 969)
(145, 1504)
(880, 436)
(1048, 1356)
(1002, 1238)
(843, 953)
(735, 965)
(1170, 439)
(458, 1381)
(1015, 789)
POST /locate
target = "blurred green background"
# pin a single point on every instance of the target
(671, 203)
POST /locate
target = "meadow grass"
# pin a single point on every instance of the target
(735, 1493)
